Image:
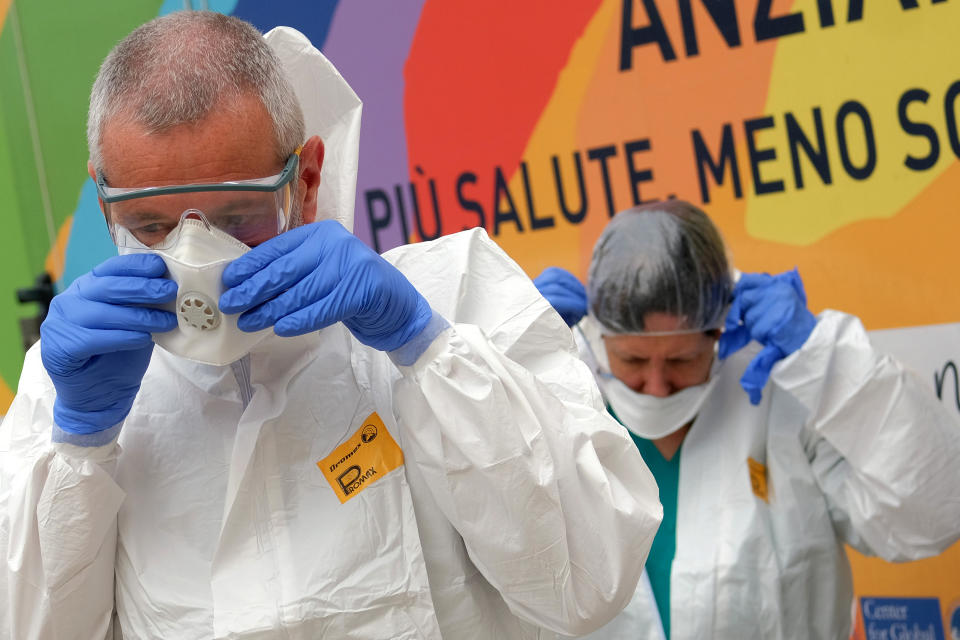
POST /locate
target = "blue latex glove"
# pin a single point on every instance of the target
(95, 342)
(773, 311)
(564, 293)
(315, 275)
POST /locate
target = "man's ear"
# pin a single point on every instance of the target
(311, 161)
(93, 176)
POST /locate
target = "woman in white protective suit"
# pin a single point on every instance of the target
(833, 442)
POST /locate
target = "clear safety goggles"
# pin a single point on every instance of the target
(252, 211)
(716, 325)
(592, 332)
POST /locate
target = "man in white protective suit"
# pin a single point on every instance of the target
(324, 442)
(832, 442)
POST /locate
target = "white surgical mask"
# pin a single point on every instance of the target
(642, 414)
(649, 416)
(196, 262)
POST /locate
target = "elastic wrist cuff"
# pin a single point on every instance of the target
(410, 352)
(95, 439)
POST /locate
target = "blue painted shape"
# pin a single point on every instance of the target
(90, 242)
(955, 623)
(221, 6)
(312, 19)
(902, 618)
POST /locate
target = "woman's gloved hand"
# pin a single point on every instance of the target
(315, 275)
(564, 293)
(95, 342)
(773, 311)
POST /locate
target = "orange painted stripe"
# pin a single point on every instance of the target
(6, 397)
(4, 8)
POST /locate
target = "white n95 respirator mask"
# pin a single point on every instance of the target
(196, 257)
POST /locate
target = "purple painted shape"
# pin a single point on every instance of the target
(368, 42)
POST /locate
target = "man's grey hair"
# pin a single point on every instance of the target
(176, 69)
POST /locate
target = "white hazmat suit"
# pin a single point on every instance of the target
(520, 506)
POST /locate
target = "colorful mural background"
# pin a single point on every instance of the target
(817, 133)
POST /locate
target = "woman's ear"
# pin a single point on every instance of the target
(311, 161)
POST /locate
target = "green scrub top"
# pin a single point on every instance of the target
(667, 474)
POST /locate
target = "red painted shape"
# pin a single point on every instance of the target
(478, 77)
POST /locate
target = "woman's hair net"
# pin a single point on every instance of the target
(663, 257)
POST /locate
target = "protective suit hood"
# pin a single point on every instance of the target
(331, 110)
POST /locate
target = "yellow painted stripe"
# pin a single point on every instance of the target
(58, 252)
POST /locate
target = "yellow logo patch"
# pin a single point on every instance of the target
(758, 479)
(370, 453)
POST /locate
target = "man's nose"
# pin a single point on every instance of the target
(655, 383)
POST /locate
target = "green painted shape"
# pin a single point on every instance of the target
(64, 42)
(16, 270)
(30, 231)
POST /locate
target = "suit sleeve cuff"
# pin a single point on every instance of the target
(95, 439)
(411, 352)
